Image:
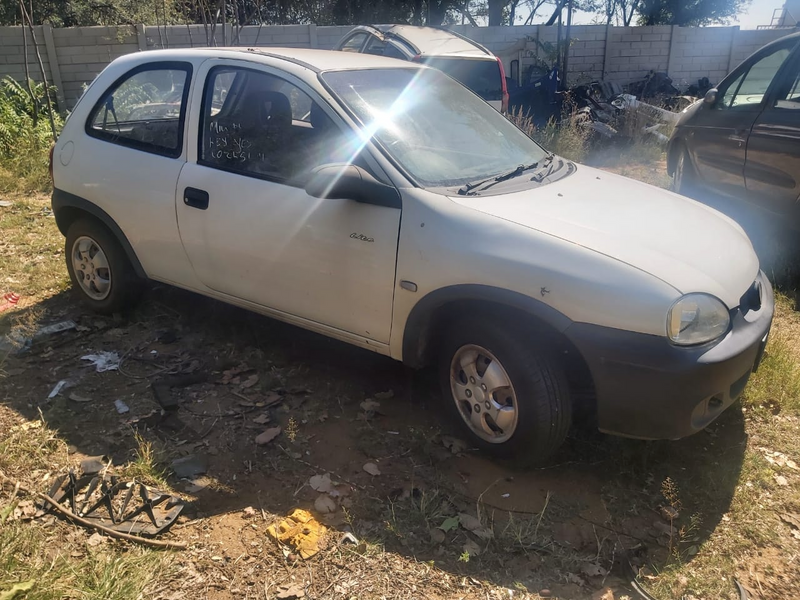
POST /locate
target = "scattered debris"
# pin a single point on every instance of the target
(5, 203)
(372, 469)
(779, 459)
(93, 465)
(384, 395)
(96, 539)
(289, 592)
(324, 504)
(455, 445)
(10, 300)
(250, 381)
(103, 361)
(55, 328)
(781, 480)
(112, 505)
(248, 512)
(78, 398)
(121, 407)
(605, 594)
(267, 436)
(591, 569)
(161, 388)
(369, 405)
(261, 419)
(468, 522)
(197, 485)
(57, 389)
(190, 466)
(300, 531)
(321, 483)
(348, 537)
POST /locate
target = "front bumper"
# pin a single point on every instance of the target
(649, 388)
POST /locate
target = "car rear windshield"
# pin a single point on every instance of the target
(435, 129)
(481, 76)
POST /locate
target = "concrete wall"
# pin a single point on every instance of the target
(74, 56)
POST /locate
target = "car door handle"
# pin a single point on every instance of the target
(195, 198)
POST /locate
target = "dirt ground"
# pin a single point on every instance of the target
(596, 518)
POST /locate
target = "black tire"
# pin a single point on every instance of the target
(544, 408)
(125, 286)
(684, 181)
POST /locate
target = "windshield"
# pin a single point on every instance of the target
(440, 133)
(481, 76)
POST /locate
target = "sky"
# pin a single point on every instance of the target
(758, 13)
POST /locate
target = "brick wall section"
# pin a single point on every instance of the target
(12, 53)
(621, 54)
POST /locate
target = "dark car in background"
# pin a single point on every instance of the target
(459, 57)
(743, 139)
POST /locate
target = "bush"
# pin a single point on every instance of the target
(25, 137)
(567, 138)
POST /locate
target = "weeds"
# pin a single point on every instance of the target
(146, 466)
(25, 137)
(567, 138)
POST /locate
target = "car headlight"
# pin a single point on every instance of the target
(697, 318)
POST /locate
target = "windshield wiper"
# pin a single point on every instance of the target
(540, 176)
(468, 187)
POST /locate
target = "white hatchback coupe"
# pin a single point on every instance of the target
(381, 203)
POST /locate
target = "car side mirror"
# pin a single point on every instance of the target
(349, 182)
(710, 97)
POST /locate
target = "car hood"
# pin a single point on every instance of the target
(684, 243)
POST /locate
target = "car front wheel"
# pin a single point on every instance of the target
(99, 269)
(510, 398)
(683, 176)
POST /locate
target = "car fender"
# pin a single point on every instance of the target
(67, 206)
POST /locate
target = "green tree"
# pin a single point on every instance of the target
(689, 12)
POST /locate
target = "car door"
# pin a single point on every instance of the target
(719, 133)
(248, 226)
(772, 170)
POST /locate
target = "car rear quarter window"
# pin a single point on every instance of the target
(145, 109)
(354, 43)
(481, 76)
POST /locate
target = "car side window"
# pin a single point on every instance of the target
(354, 43)
(145, 109)
(375, 46)
(789, 96)
(391, 51)
(757, 79)
(266, 127)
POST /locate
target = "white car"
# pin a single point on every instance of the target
(383, 204)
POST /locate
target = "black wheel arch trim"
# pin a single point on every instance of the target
(63, 201)
(419, 321)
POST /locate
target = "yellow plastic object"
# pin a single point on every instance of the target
(299, 530)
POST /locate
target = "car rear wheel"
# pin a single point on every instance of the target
(99, 269)
(510, 398)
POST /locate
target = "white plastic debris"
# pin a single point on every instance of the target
(58, 387)
(104, 361)
(121, 407)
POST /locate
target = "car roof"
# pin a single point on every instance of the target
(434, 41)
(316, 60)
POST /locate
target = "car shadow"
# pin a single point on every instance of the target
(242, 373)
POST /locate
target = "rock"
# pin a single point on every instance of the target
(324, 504)
(372, 469)
(266, 437)
(190, 466)
(437, 536)
(92, 465)
(95, 539)
(248, 512)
